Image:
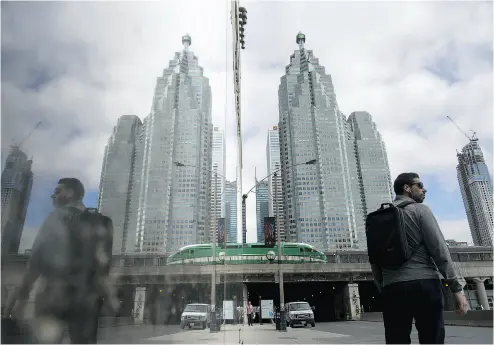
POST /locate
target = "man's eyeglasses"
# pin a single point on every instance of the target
(420, 184)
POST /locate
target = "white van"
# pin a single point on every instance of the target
(299, 313)
(195, 315)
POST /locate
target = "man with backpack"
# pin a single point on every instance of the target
(71, 257)
(407, 251)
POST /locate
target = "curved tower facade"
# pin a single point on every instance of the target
(117, 173)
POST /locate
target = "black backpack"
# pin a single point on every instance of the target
(387, 242)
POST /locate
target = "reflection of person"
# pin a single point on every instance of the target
(71, 257)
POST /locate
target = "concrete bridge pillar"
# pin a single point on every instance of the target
(139, 303)
(351, 299)
(482, 295)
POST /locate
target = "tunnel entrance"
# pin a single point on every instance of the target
(370, 299)
(165, 303)
(320, 295)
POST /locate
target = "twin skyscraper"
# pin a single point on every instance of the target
(164, 177)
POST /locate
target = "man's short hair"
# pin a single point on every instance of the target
(75, 185)
(402, 180)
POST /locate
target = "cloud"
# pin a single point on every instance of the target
(455, 229)
(78, 66)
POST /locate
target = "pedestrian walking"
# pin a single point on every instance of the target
(250, 312)
(71, 257)
(407, 251)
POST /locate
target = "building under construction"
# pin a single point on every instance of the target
(476, 190)
(17, 180)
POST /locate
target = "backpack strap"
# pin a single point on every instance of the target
(402, 205)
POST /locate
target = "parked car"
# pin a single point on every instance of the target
(299, 313)
(195, 315)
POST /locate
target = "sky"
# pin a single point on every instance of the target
(78, 66)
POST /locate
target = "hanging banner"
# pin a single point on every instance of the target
(221, 231)
(269, 231)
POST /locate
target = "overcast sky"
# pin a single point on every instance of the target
(79, 66)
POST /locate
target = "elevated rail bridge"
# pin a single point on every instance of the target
(346, 271)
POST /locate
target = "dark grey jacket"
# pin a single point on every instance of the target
(432, 254)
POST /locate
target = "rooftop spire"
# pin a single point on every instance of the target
(300, 40)
(186, 41)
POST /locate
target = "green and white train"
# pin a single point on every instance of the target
(251, 253)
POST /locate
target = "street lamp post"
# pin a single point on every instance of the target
(280, 267)
(223, 261)
(213, 327)
(244, 219)
(278, 236)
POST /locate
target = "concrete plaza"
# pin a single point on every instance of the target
(323, 333)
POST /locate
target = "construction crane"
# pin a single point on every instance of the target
(472, 138)
(18, 145)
